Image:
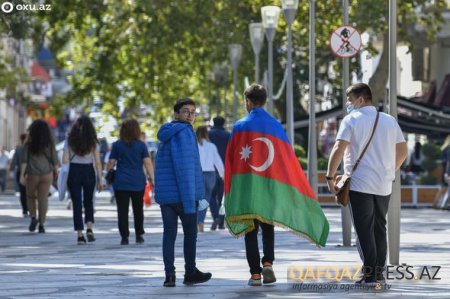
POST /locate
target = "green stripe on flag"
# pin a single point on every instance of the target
(276, 203)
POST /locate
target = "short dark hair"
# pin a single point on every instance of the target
(219, 121)
(130, 131)
(181, 102)
(256, 94)
(360, 90)
(23, 137)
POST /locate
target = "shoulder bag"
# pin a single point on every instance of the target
(343, 181)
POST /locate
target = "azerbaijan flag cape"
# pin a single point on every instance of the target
(264, 181)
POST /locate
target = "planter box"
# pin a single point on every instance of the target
(419, 194)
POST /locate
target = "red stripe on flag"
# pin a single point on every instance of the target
(284, 167)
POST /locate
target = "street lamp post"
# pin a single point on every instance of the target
(312, 148)
(270, 15)
(289, 9)
(257, 38)
(235, 51)
(395, 202)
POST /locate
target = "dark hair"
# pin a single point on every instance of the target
(23, 138)
(40, 137)
(202, 133)
(360, 90)
(82, 136)
(256, 94)
(181, 102)
(218, 121)
(130, 131)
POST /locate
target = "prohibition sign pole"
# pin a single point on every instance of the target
(345, 42)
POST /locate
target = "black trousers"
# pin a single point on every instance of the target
(369, 219)
(252, 249)
(123, 202)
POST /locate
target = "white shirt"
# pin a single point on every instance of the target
(376, 170)
(209, 157)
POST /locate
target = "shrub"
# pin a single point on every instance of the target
(303, 163)
(428, 180)
(429, 164)
(322, 164)
(299, 151)
(431, 151)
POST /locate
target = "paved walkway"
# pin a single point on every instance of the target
(51, 265)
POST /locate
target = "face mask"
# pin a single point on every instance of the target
(351, 108)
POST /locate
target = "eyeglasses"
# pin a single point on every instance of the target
(188, 113)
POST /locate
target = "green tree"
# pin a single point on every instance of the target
(155, 51)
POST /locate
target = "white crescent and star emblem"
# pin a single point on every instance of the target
(247, 150)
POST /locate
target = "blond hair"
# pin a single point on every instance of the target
(446, 143)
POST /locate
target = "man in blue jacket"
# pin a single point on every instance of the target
(179, 186)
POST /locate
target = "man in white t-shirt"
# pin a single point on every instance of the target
(371, 183)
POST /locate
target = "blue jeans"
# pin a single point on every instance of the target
(170, 214)
(209, 178)
(81, 185)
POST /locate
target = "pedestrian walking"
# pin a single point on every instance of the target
(39, 169)
(374, 142)
(220, 138)
(210, 162)
(179, 186)
(416, 159)
(442, 197)
(265, 186)
(130, 155)
(4, 162)
(15, 166)
(82, 151)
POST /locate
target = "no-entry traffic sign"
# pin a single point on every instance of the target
(345, 42)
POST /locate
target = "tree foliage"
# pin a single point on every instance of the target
(155, 51)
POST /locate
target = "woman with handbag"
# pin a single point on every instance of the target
(130, 156)
(81, 150)
(39, 167)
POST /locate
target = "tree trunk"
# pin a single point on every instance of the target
(379, 79)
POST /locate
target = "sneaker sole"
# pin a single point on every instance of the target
(268, 276)
(254, 283)
(169, 285)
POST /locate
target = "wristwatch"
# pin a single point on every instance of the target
(329, 178)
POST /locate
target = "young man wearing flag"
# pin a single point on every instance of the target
(179, 185)
(265, 186)
(371, 182)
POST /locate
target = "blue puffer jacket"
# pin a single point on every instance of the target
(178, 173)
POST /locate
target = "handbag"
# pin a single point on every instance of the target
(343, 181)
(110, 175)
(62, 179)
